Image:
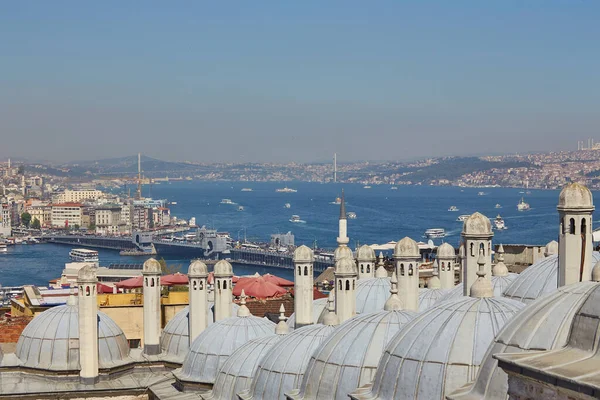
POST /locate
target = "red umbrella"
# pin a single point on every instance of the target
(131, 283)
(174, 279)
(211, 278)
(257, 287)
(277, 280)
(101, 288)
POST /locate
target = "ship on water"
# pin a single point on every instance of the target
(286, 190)
(523, 206)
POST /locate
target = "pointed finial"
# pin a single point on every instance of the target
(482, 286)
(393, 302)
(343, 207)
(72, 300)
(330, 318)
(500, 269)
(500, 253)
(380, 260)
(243, 310)
(281, 328)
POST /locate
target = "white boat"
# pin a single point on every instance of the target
(3, 248)
(84, 255)
(246, 189)
(498, 206)
(394, 188)
(227, 201)
(453, 208)
(286, 190)
(434, 233)
(522, 206)
(366, 187)
(296, 219)
(463, 217)
(337, 201)
(499, 223)
(241, 208)
(481, 193)
(287, 205)
(351, 215)
(174, 203)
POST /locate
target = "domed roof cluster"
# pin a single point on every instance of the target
(445, 250)
(365, 253)
(51, 341)
(477, 224)
(407, 247)
(575, 195)
(303, 254)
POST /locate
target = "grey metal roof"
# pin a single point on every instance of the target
(348, 358)
(236, 373)
(51, 341)
(440, 350)
(282, 368)
(371, 294)
(175, 337)
(319, 311)
(538, 279)
(429, 297)
(542, 325)
(213, 346)
(499, 283)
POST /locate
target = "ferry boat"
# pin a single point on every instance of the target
(3, 248)
(453, 208)
(499, 223)
(84, 255)
(227, 201)
(435, 233)
(351, 215)
(337, 201)
(462, 218)
(522, 206)
(286, 190)
(246, 189)
(296, 219)
(498, 205)
(287, 205)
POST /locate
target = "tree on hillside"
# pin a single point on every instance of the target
(35, 224)
(26, 219)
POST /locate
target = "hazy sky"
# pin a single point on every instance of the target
(296, 80)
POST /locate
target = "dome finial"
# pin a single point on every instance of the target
(394, 302)
(380, 262)
(243, 310)
(281, 328)
(331, 318)
(482, 286)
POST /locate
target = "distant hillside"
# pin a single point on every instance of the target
(129, 165)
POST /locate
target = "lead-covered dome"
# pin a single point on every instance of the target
(303, 254)
(342, 252)
(223, 268)
(429, 297)
(445, 251)
(175, 337)
(51, 341)
(365, 253)
(371, 294)
(151, 266)
(551, 248)
(575, 195)
(407, 247)
(198, 269)
(319, 311)
(440, 350)
(216, 343)
(345, 266)
(282, 368)
(499, 284)
(349, 357)
(477, 224)
(542, 325)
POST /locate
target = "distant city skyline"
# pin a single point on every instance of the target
(282, 82)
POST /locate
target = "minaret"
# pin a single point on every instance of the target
(223, 273)
(152, 317)
(198, 298)
(138, 194)
(282, 328)
(482, 287)
(345, 288)
(303, 286)
(394, 302)
(446, 257)
(365, 257)
(477, 238)
(331, 318)
(500, 269)
(407, 257)
(88, 324)
(575, 208)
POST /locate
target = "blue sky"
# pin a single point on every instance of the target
(297, 81)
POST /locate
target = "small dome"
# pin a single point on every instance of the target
(371, 294)
(575, 195)
(439, 350)
(236, 373)
(223, 268)
(216, 343)
(538, 279)
(542, 325)
(345, 266)
(551, 248)
(51, 341)
(429, 297)
(499, 284)
(445, 251)
(87, 274)
(477, 224)
(365, 253)
(198, 269)
(303, 254)
(407, 248)
(349, 357)
(282, 368)
(342, 252)
(175, 337)
(319, 311)
(151, 266)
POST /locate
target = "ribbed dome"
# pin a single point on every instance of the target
(429, 297)
(349, 357)
(407, 247)
(345, 266)
(216, 343)
(341, 252)
(499, 283)
(51, 341)
(319, 311)
(440, 350)
(236, 373)
(537, 280)
(175, 337)
(542, 325)
(477, 224)
(198, 269)
(303, 254)
(282, 368)
(575, 195)
(152, 266)
(445, 250)
(365, 253)
(371, 294)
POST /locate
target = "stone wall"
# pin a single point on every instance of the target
(523, 388)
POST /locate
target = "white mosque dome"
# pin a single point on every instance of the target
(551, 248)
(499, 283)
(371, 295)
(51, 341)
(216, 343)
(236, 373)
(406, 247)
(349, 357)
(365, 253)
(538, 279)
(175, 337)
(429, 297)
(575, 195)
(342, 252)
(445, 250)
(319, 311)
(477, 224)
(303, 254)
(440, 350)
(282, 368)
(543, 324)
